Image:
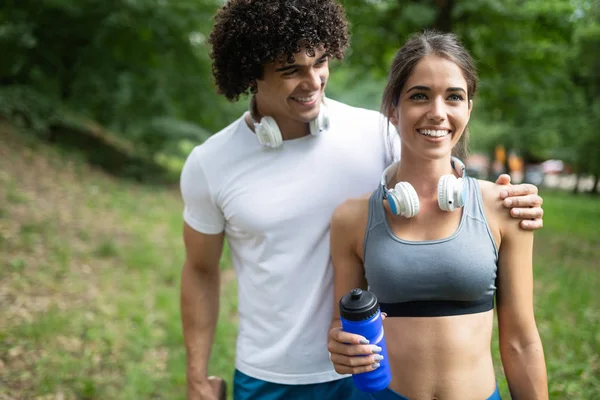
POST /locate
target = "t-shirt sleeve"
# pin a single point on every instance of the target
(200, 212)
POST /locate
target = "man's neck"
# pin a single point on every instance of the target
(289, 128)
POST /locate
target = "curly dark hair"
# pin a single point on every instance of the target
(251, 33)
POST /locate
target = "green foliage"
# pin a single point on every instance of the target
(538, 64)
(584, 107)
(157, 133)
(345, 85)
(115, 62)
(29, 108)
(141, 68)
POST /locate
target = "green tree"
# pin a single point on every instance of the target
(581, 116)
(521, 48)
(132, 65)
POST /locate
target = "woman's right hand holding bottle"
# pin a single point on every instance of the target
(352, 354)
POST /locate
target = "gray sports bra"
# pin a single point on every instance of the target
(450, 276)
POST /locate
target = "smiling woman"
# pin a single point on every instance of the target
(436, 246)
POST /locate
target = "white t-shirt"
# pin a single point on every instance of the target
(275, 207)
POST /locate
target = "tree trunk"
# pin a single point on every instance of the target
(443, 21)
(576, 188)
(65, 89)
(65, 80)
(596, 181)
(7, 80)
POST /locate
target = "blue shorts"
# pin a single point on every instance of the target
(248, 388)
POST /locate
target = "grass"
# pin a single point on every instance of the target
(89, 282)
(89, 285)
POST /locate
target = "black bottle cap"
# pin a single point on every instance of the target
(358, 305)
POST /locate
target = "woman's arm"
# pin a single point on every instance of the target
(520, 344)
(347, 231)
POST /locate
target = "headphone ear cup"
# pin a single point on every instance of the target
(408, 200)
(451, 193)
(268, 133)
(321, 123)
(444, 200)
(393, 202)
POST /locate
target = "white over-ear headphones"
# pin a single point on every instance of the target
(403, 199)
(268, 132)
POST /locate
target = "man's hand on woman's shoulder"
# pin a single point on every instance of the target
(523, 201)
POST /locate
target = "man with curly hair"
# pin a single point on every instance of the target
(269, 183)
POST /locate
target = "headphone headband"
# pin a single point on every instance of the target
(252, 110)
(457, 166)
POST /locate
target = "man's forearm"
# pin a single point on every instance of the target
(199, 315)
(526, 372)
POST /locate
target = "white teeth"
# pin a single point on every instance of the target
(434, 133)
(305, 99)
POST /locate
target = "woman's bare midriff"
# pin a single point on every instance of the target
(442, 358)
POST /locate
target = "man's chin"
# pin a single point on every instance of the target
(312, 115)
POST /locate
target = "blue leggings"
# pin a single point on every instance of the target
(389, 394)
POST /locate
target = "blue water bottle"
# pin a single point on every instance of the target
(359, 312)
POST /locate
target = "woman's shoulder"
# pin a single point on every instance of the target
(496, 213)
(490, 194)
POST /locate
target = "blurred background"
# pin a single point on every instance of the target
(102, 100)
